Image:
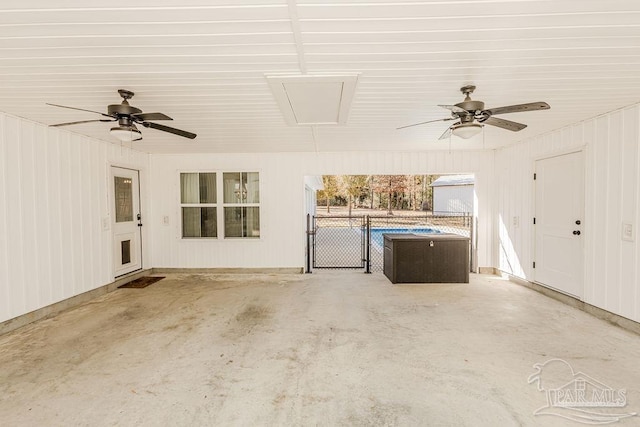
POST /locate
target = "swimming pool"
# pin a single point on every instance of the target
(376, 233)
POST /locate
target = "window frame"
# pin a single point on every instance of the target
(182, 205)
(241, 204)
(220, 205)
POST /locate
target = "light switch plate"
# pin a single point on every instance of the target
(628, 231)
(106, 223)
(165, 220)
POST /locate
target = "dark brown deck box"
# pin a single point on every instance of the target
(429, 258)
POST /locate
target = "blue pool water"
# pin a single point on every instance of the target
(376, 233)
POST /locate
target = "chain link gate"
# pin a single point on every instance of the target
(338, 242)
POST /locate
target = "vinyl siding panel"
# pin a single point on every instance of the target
(5, 301)
(16, 268)
(53, 196)
(630, 173)
(612, 186)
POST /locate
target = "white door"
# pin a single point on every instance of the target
(559, 217)
(126, 223)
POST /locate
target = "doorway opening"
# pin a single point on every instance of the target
(353, 213)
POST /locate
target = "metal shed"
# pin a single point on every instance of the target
(453, 194)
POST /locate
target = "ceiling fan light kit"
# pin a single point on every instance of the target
(466, 130)
(471, 116)
(126, 133)
(127, 116)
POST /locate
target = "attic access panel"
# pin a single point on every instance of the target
(314, 100)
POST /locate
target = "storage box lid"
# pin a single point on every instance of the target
(414, 236)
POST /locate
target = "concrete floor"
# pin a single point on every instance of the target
(331, 348)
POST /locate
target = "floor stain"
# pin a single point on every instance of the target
(253, 315)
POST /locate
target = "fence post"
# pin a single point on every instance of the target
(368, 246)
(308, 269)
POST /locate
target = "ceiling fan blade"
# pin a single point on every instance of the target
(422, 123)
(453, 108)
(504, 124)
(532, 106)
(151, 116)
(82, 121)
(447, 132)
(79, 109)
(174, 131)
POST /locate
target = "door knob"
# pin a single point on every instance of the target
(576, 232)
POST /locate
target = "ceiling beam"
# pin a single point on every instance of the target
(297, 34)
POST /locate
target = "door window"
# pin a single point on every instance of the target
(123, 199)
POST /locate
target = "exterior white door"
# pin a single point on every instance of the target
(559, 217)
(126, 221)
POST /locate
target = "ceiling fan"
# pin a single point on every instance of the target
(127, 117)
(471, 116)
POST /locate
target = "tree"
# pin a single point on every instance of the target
(429, 190)
(353, 186)
(390, 184)
(331, 189)
(412, 189)
(371, 192)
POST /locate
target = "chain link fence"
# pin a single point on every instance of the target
(356, 242)
(428, 224)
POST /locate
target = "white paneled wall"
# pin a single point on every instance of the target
(54, 193)
(282, 201)
(612, 185)
(278, 245)
(53, 196)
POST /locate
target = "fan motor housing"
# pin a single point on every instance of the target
(471, 105)
(122, 110)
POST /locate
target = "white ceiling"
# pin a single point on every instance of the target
(204, 62)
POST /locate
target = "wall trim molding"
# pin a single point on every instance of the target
(69, 303)
(223, 270)
(598, 312)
